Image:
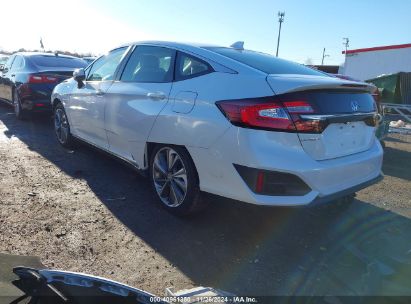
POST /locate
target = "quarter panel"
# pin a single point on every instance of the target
(204, 123)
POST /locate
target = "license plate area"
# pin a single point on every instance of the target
(338, 139)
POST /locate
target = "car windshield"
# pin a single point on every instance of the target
(265, 62)
(58, 61)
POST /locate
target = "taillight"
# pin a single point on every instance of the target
(268, 114)
(377, 98)
(42, 79)
(376, 95)
(257, 114)
(298, 108)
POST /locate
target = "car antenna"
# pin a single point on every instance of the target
(239, 45)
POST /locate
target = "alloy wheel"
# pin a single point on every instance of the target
(61, 126)
(170, 177)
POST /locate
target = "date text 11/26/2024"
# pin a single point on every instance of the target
(204, 299)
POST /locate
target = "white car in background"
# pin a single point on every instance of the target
(224, 120)
(3, 60)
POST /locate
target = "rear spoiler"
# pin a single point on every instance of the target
(283, 83)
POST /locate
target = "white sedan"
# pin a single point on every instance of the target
(224, 120)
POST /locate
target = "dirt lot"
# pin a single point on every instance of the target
(83, 211)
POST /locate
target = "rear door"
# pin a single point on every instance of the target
(344, 112)
(134, 102)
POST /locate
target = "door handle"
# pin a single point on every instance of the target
(156, 95)
(99, 93)
(13, 75)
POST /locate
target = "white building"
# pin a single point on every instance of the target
(363, 64)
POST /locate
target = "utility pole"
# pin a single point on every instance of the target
(280, 20)
(346, 43)
(324, 55)
(41, 43)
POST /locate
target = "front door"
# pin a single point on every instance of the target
(87, 103)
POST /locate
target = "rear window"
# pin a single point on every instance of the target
(265, 62)
(58, 61)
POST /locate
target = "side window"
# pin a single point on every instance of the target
(188, 67)
(87, 70)
(9, 62)
(105, 67)
(149, 64)
(18, 63)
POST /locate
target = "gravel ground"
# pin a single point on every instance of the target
(83, 211)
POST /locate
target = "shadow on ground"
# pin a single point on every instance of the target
(356, 249)
(392, 159)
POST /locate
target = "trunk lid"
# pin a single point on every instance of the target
(55, 76)
(61, 74)
(345, 109)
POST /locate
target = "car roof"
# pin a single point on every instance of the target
(32, 54)
(173, 44)
(200, 50)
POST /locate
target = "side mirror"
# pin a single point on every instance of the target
(79, 75)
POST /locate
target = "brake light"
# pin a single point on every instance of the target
(298, 108)
(257, 114)
(266, 114)
(42, 79)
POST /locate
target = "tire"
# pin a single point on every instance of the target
(20, 113)
(174, 180)
(62, 126)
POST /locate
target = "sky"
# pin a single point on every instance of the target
(310, 25)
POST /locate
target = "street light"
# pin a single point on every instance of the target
(324, 55)
(280, 20)
(346, 43)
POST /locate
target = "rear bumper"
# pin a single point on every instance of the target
(335, 196)
(35, 105)
(35, 97)
(282, 152)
